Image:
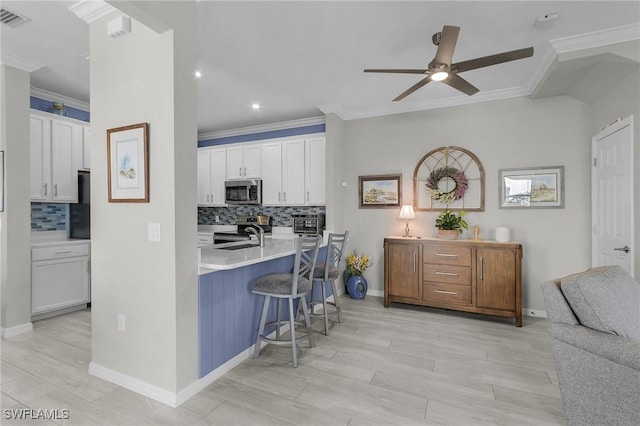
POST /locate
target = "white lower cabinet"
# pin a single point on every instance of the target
(60, 277)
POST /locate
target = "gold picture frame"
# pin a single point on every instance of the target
(128, 163)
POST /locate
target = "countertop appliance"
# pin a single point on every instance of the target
(310, 224)
(80, 213)
(245, 191)
(241, 234)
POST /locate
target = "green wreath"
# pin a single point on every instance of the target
(447, 172)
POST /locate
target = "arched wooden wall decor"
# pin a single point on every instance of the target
(449, 177)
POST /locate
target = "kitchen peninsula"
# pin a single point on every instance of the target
(228, 313)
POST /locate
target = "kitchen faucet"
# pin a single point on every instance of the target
(259, 233)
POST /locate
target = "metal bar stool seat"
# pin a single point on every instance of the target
(328, 275)
(290, 286)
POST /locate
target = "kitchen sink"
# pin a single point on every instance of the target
(238, 247)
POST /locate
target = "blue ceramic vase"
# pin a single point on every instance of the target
(357, 287)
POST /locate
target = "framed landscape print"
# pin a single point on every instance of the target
(380, 191)
(539, 187)
(128, 163)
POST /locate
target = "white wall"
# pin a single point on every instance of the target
(622, 101)
(519, 132)
(15, 220)
(146, 77)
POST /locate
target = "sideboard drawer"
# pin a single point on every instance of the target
(447, 255)
(447, 293)
(447, 274)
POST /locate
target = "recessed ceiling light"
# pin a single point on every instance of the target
(255, 106)
(198, 74)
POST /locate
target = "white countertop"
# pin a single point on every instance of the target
(216, 259)
(54, 238)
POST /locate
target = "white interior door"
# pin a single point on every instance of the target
(612, 196)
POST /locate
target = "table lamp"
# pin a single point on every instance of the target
(407, 213)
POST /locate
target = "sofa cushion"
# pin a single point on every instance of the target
(606, 299)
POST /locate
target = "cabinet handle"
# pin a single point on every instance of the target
(240, 171)
(284, 197)
(63, 252)
(452, 274)
(446, 255)
(279, 196)
(55, 190)
(307, 195)
(245, 171)
(481, 268)
(415, 257)
(45, 189)
(445, 292)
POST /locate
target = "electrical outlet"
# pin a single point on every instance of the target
(154, 232)
(122, 326)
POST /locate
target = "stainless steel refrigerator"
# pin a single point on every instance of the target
(80, 213)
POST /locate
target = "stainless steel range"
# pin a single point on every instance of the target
(265, 222)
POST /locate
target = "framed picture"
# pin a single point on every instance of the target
(1, 181)
(539, 187)
(380, 191)
(128, 163)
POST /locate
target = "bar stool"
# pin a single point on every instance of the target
(290, 286)
(328, 272)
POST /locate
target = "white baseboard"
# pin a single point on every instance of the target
(534, 313)
(27, 327)
(172, 399)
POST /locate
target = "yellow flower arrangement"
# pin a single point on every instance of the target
(356, 264)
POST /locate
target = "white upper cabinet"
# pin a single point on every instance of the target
(243, 162)
(54, 160)
(315, 164)
(271, 157)
(293, 173)
(212, 172)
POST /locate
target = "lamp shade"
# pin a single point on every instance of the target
(407, 212)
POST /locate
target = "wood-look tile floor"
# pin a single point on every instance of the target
(400, 366)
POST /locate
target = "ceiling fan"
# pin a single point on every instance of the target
(441, 68)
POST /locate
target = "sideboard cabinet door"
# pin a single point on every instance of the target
(403, 269)
(496, 275)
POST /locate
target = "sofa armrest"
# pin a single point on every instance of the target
(614, 348)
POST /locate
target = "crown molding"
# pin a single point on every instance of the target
(292, 124)
(91, 10)
(50, 96)
(596, 39)
(19, 62)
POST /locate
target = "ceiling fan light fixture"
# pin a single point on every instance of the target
(439, 75)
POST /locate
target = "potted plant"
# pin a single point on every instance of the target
(450, 224)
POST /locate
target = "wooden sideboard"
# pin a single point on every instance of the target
(465, 275)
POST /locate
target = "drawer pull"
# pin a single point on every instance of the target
(64, 252)
(445, 292)
(446, 255)
(451, 274)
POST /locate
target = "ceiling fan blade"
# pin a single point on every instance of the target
(412, 89)
(398, 71)
(486, 61)
(457, 82)
(448, 40)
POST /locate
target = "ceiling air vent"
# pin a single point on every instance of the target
(11, 18)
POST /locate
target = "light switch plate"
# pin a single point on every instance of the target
(154, 232)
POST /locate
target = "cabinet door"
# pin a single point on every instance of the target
(204, 177)
(218, 175)
(63, 175)
(235, 166)
(271, 158)
(315, 171)
(496, 279)
(58, 284)
(403, 263)
(251, 161)
(293, 173)
(40, 158)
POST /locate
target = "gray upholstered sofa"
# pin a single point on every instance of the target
(595, 336)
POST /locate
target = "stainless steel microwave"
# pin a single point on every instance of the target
(245, 191)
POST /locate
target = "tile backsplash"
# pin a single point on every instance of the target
(49, 216)
(282, 216)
